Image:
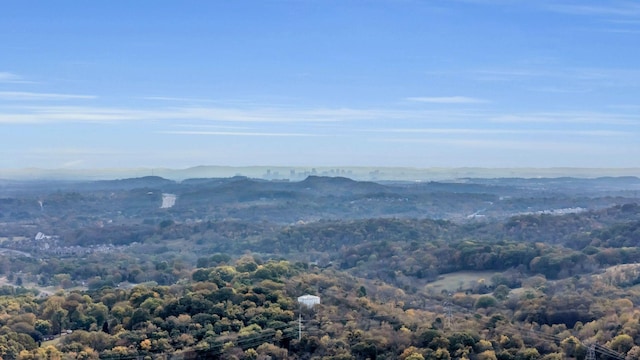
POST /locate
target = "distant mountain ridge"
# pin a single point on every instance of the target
(298, 173)
(319, 197)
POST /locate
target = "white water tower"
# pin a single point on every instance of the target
(309, 300)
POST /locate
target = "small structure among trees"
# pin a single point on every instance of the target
(309, 300)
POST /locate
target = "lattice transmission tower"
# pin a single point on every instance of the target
(591, 352)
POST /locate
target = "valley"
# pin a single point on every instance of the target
(211, 268)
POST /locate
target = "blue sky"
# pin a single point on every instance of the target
(433, 83)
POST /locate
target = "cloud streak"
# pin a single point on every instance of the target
(448, 100)
(62, 114)
(546, 146)
(33, 96)
(239, 133)
(472, 131)
(573, 78)
(11, 78)
(617, 9)
(176, 99)
(227, 121)
(570, 117)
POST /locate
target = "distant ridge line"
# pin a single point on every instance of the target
(299, 173)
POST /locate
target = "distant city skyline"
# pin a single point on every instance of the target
(294, 83)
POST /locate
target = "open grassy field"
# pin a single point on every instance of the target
(459, 281)
(52, 342)
(4, 239)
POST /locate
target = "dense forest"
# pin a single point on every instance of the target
(212, 268)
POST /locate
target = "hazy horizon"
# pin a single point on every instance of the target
(301, 172)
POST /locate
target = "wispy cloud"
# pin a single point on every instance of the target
(70, 151)
(621, 31)
(175, 99)
(6, 76)
(505, 74)
(72, 163)
(212, 127)
(31, 96)
(11, 78)
(60, 114)
(626, 107)
(546, 146)
(611, 8)
(570, 117)
(615, 8)
(69, 157)
(66, 114)
(238, 133)
(240, 122)
(448, 131)
(526, 132)
(560, 90)
(448, 100)
(572, 79)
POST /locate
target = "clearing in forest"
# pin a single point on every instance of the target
(460, 281)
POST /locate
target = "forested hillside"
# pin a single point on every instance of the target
(477, 269)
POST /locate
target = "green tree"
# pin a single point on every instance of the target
(501, 292)
(527, 354)
(414, 356)
(442, 354)
(43, 326)
(485, 301)
(622, 343)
